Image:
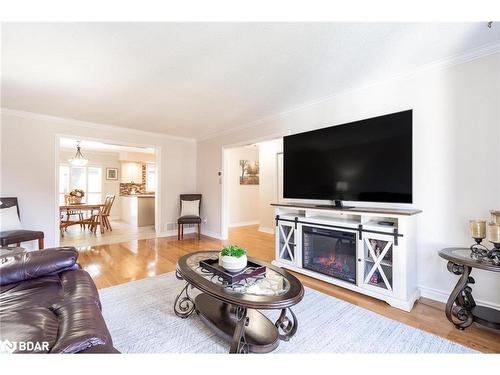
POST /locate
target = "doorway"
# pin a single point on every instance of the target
(109, 193)
(250, 184)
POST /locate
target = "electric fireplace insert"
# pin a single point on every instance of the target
(330, 252)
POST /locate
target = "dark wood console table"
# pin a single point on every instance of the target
(461, 308)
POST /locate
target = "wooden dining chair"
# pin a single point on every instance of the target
(69, 213)
(105, 213)
(77, 213)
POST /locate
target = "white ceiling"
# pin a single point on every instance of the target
(197, 79)
(70, 144)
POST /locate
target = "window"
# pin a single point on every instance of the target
(89, 179)
(94, 183)
(150, 177)
(63, 182)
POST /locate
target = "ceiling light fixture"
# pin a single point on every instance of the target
(78, 160)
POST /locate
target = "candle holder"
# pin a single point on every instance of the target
(483, 254)
(478, 247)
(478, 232)
(495, 216)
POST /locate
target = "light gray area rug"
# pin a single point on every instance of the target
(141, 319)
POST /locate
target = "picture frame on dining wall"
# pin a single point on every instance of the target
(111, 173)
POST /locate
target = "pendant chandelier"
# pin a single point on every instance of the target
(78, 160)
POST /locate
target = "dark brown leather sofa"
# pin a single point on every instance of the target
(49, 305)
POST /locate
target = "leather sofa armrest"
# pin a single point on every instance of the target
(30, 265)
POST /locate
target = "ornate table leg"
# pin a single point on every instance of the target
(286, 327)
(183, 304)
(239, 344)
(460, 301)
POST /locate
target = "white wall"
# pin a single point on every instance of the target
(28, 166)
(456, 165)
(136, 157)
(103, 160)
(268, 188)
(243, 207)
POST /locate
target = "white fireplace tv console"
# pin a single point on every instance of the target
(367, 250)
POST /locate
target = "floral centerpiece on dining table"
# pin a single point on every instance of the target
(75, 196)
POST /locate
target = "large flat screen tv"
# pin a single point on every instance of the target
(368, 160)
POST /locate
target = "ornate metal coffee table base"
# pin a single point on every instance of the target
(461, 309)
(248, 330)
(183, 304)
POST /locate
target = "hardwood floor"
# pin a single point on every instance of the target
(122, 231)
(136, 259)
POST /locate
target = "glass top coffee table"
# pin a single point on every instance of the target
(231, 310)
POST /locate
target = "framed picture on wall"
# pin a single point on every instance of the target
(111, 173)
(249, 172)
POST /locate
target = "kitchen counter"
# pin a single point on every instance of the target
(138, 209)
(138, 195)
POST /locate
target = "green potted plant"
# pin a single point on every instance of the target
(233, 258)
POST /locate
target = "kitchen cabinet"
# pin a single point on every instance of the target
(138, 210)
(131, 172)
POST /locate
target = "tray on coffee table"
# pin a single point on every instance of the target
(251, 270)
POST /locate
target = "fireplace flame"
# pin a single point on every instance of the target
(328, 261)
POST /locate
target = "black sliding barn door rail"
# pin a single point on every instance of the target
(359, 229)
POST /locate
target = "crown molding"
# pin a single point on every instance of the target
(483, 51)
(104, 152)
(88, 125)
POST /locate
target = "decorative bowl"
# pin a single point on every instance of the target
(233, 264)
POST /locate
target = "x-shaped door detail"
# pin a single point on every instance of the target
(286, 242)
(378, 261)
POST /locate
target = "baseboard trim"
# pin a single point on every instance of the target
(244, 224)
(442, 296)
(266, 230)
(172, 233)
(209, 233)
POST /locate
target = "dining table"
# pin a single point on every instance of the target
(92, 207)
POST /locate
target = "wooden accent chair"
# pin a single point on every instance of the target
(189, 219)
(10, 237)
